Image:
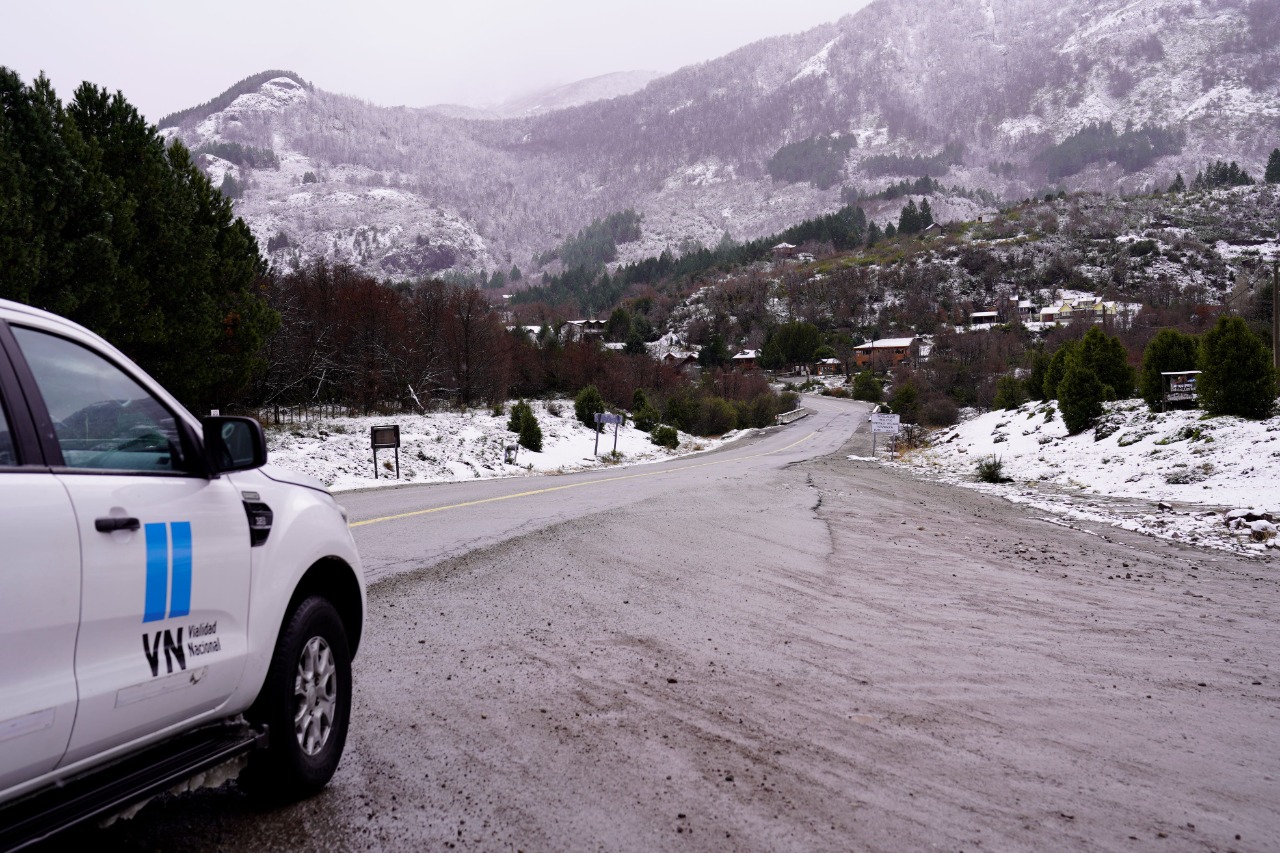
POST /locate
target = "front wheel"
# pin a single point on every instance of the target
(306, 704)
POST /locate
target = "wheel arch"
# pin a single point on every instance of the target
(332, 579)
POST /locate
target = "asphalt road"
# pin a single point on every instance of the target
(773, 647)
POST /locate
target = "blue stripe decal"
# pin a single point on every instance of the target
(180, 602)
(157, 572)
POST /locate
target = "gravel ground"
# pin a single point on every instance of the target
(830, 656)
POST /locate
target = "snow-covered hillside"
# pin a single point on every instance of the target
(400, 191)
(1213, 482)
(449, 446)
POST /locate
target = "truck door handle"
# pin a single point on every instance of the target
(106, 525)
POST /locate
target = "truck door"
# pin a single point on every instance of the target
(39, 599)
(165, 552)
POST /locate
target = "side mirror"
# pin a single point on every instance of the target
(234, 444)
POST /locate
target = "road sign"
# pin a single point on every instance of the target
(607, 418)
(885, 423)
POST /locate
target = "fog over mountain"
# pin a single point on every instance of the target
(1008, 97)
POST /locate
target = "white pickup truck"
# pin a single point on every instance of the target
(168, 601)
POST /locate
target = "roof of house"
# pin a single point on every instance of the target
(747, 354)
(887, 343)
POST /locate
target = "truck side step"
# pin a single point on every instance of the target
(111, 789)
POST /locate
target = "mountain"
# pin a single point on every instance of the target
(1007, 97)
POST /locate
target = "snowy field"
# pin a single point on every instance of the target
(1213, 482)
(451, 446)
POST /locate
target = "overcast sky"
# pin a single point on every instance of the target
(169, 56)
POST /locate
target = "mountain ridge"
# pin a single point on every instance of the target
(415, 191)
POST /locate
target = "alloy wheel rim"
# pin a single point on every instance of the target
(315, 693)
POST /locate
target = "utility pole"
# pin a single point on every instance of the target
(1275, 314)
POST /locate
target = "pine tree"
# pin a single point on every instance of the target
(1178, 185)
(873, 233)
(1236, 374)
(926, 214)
(1272, 175)
(1079, 395)
(909, 219)
(587, 405)
(1107, 358)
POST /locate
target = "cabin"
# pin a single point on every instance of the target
(828, 367)
(745, 360)
(886, 353)
(784, 250)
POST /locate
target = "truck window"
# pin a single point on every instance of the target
(103, 419)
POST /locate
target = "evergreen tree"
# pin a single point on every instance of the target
(1079, 395)
(926, 214)
(873, 233)
(514, 275)
(530, 432)
(101, 222)
(909, 219)
(890, 232)
(905, 402)
(587, 404)
(1178, 185)
(1237, 377)
(1010, 393)
(714, 354)
(1036, 381)
(1272, 175)
(867, 387)
(1169, 351)
(1057, 368)
(519, 410)
(1106, 357)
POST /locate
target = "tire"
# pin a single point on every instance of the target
(306, 704)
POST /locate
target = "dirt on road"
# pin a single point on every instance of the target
(835, 657)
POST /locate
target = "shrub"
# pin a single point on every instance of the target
(1237, 377)
(716, 416)
(1168, 351)
(867, 387)
(991, 470)
(1010, 393)
(665, 436)
(531, 433)
(939, 410)
(519, 410)
(906, 402)
(681, 410)
(645, 416)
(587, 405)
(1079, 396)
(525, 424)
(759, 411)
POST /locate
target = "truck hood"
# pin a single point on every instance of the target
(284, 475)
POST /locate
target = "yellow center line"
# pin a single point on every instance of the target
(577, 485)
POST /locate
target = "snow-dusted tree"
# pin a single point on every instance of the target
(1237, 377)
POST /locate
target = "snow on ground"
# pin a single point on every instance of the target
(450, 446)
(1213, 482)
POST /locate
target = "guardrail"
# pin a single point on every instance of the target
(793, 415)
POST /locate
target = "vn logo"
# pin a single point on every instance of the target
(172, 651)
(159, 592)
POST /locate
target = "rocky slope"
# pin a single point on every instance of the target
(977, 93)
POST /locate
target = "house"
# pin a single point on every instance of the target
(745, 359)
(681, 359)
(784, 250)
(984, 319)
(1026, 310)
(828, 367)
(932, 230)
(577, 330)
(886, 353)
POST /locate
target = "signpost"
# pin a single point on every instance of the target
(883, 422)
(606, 418)
(1179, 386)
(382, 437)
